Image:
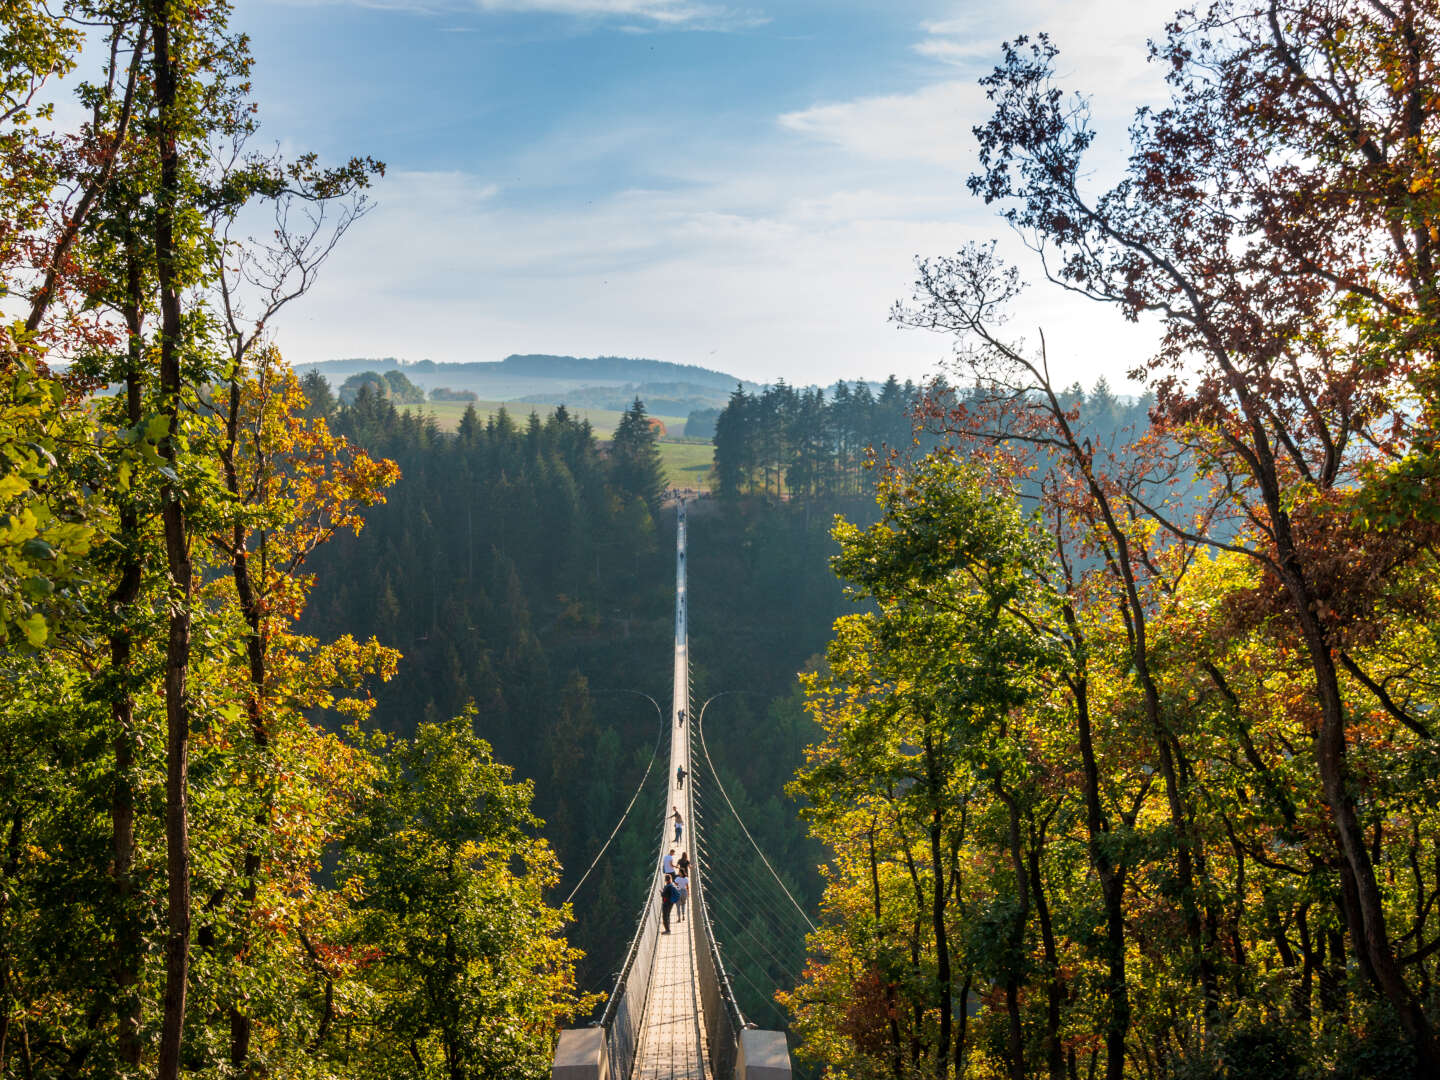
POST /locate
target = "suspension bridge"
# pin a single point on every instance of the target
(672, 1014)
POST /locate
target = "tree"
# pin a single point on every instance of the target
(320, 400)
(127, 276)
(920, 710)
(700, 424)
(403, 390)
(1307, 327)
(351, 388)
(635, 457)
(733, 448)
(471, 976)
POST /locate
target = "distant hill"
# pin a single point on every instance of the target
(663, 398)
(604, 380)
(616, 368)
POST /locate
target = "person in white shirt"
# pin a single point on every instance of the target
(682, 886)
(667, 864)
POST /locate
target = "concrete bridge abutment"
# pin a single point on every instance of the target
(581, 1055)
(763, 1055)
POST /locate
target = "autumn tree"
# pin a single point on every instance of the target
(1291, 336)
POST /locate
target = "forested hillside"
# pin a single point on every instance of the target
(516, 566)
(580, 381)
(799, 444)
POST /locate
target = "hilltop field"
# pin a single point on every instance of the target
(687, 461)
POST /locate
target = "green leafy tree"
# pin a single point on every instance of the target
(924, 747)
(471, 975)
(403, 390)
(320, 400)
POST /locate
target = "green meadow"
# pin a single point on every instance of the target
(687, 463)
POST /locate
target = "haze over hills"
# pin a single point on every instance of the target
(608, 382)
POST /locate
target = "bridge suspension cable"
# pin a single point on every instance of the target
(759, 906)
(726, 904)
(659, 738)
(700, 731)
(733, 879)
(760, 993)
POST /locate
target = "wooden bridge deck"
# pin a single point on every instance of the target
(672, 1042)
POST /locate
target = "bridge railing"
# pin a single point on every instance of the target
(723, 1019)
(625, 1011)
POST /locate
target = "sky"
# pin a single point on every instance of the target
(745, 187)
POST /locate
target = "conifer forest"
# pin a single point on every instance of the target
(1066, 728)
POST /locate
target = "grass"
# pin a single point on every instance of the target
(687, 462)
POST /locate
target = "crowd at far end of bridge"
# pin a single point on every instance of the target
(684, 494)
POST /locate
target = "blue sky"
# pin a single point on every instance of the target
(743, 187)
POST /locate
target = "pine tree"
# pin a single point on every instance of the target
(320, 400)
(635, 463)
(733, 444)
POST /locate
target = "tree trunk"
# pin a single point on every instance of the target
(942, 952)
(1300, 997)
(1372, 940)
(1179, 819)
(890, 1005)
(1015, 1035)
(1122, 569)
(177, 554)
(125, 967)
(963, 1028)
(1112, 878)
(8, 869)
(241, 1025)
(1055, 983)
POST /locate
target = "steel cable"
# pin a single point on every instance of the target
(711, 765)
(621, 823)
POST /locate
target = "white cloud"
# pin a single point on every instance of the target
(800, 287)
(950, 51)
(649, 14)
(931, 125)
(1102, 42)
(667, 12)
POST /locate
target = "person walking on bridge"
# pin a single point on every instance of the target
(668, 895)
(679, 822)
(682, 887)
(680, 775)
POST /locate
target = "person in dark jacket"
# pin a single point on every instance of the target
(680, 775)
(668, 895)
